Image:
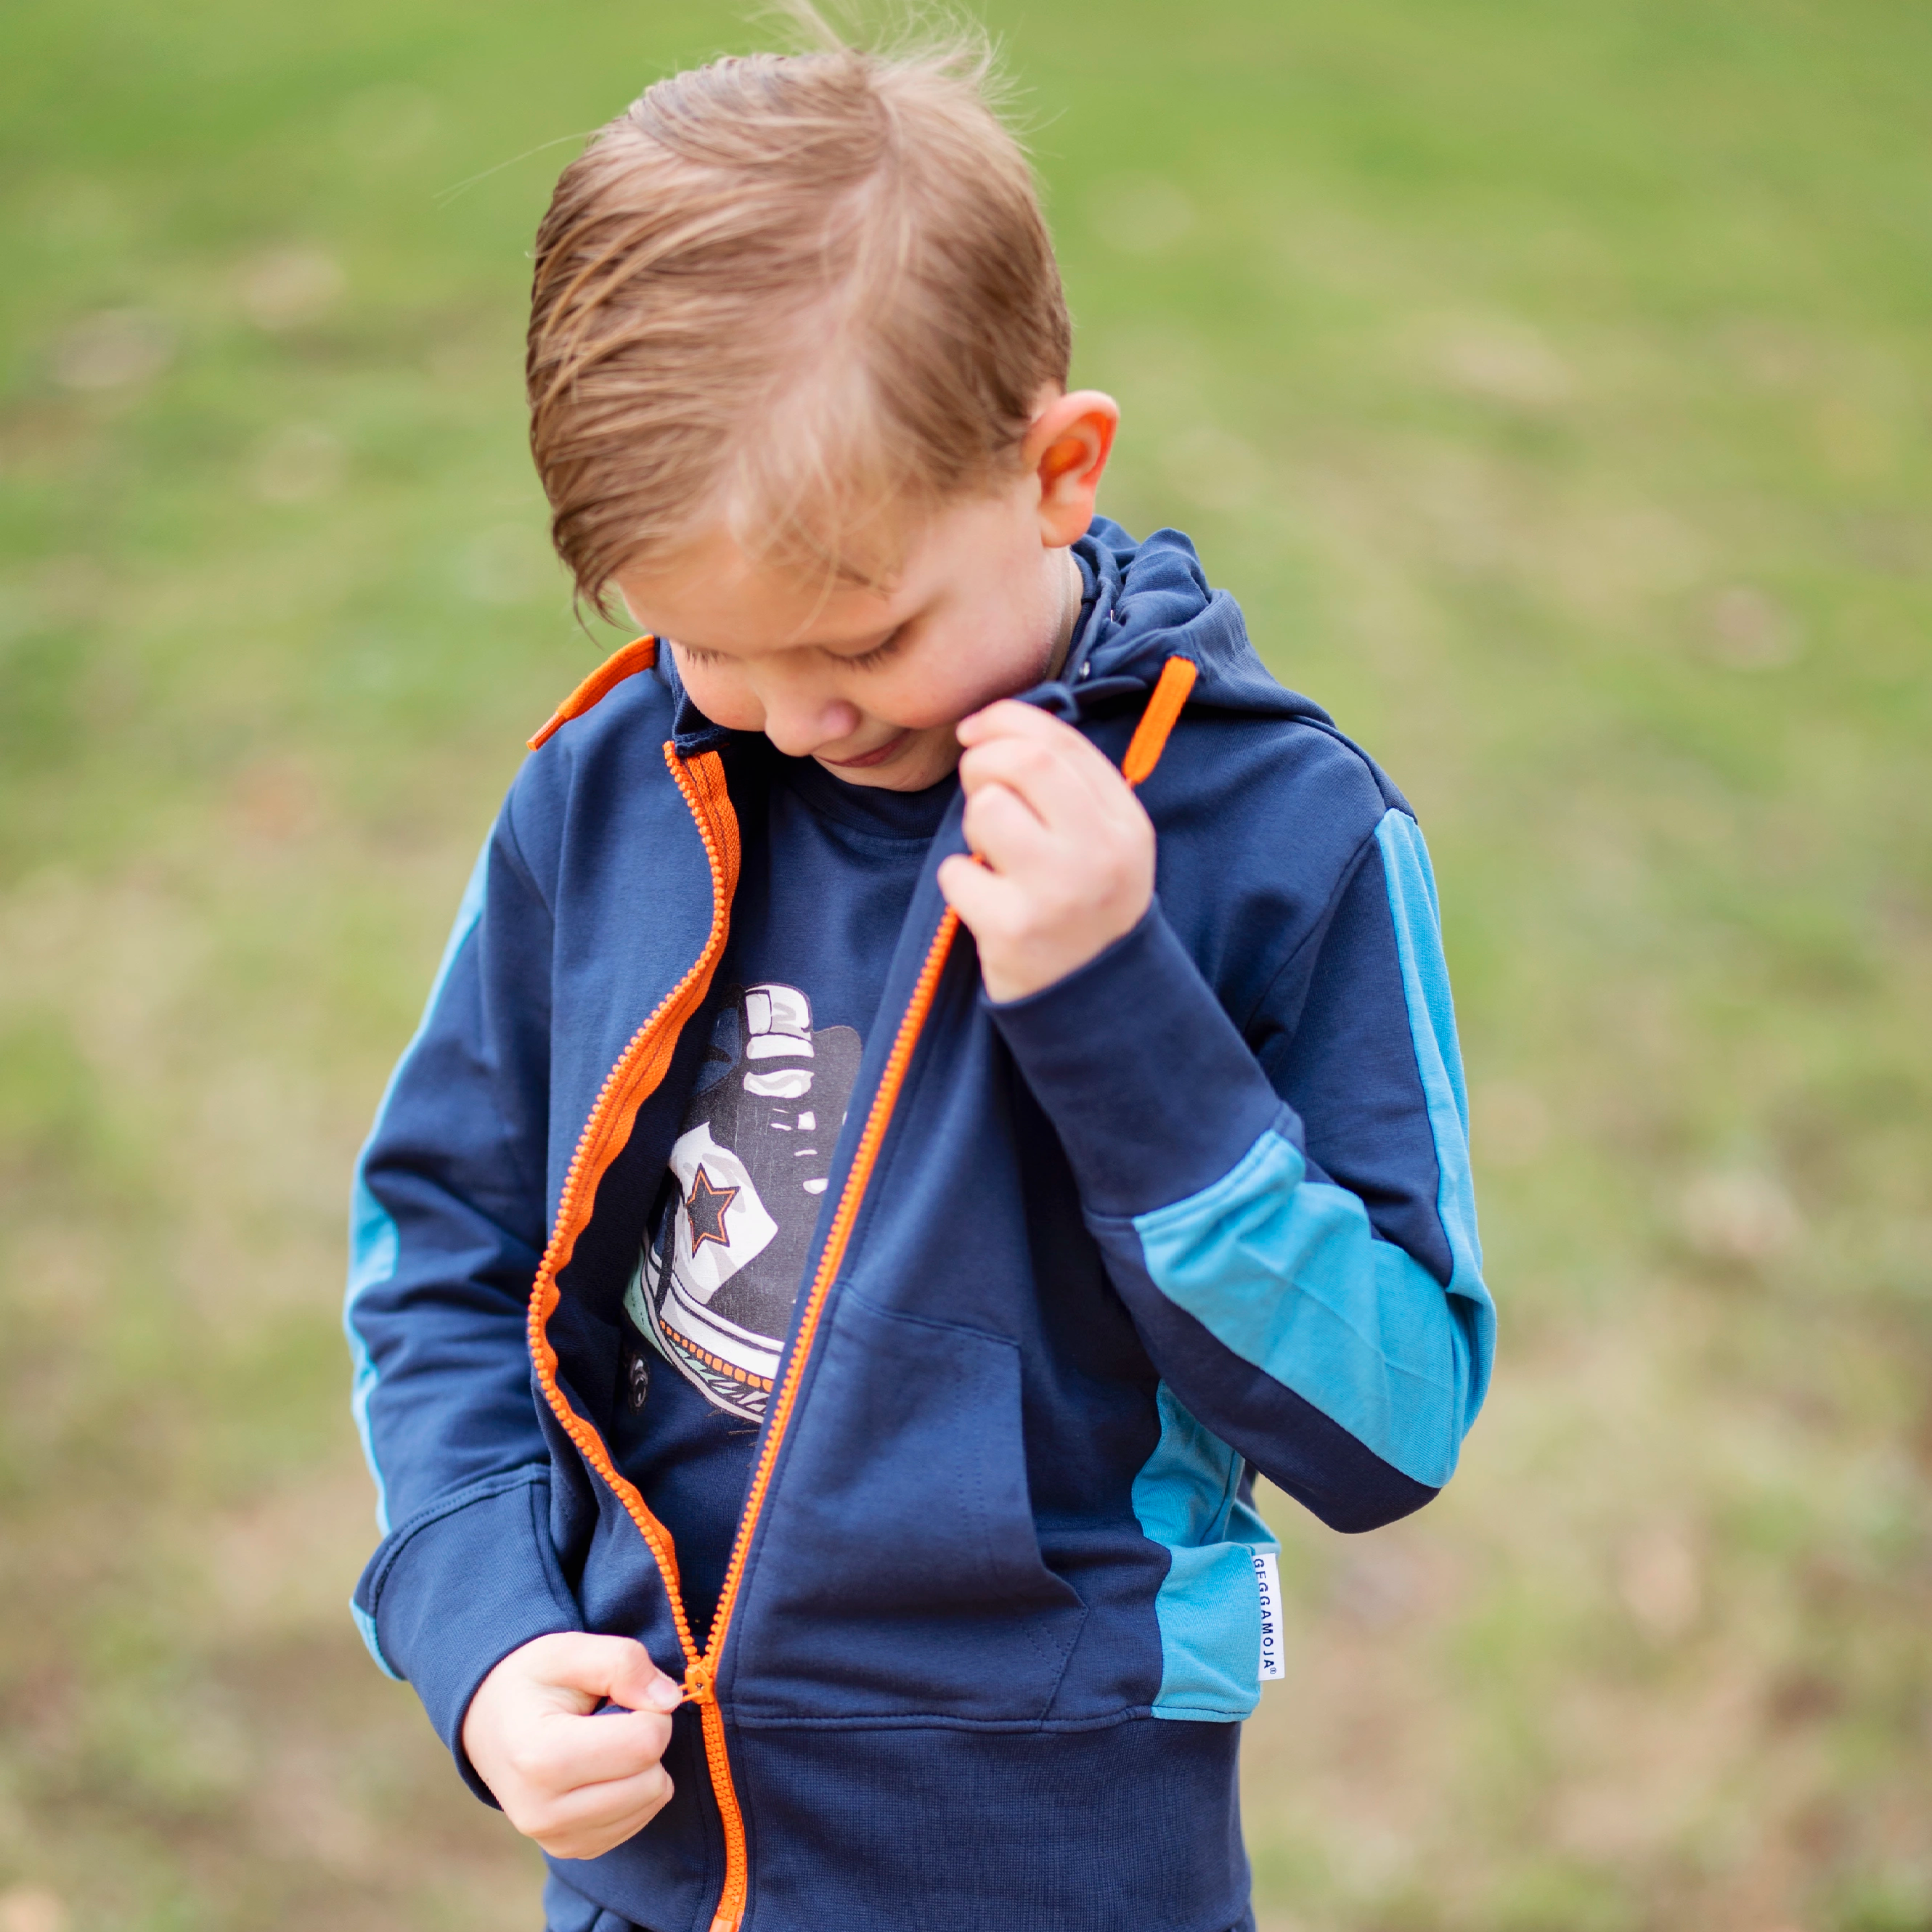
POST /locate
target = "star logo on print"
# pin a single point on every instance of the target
(705, 1207)
(731, 1223)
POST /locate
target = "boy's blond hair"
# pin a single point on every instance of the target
(798, 296)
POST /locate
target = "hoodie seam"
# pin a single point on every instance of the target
(514, 852)
(1345, 877)
(530, 1179)
(938, 1721)
(530, 1477)
(561, 1599)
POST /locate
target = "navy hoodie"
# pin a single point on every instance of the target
(1086, 1262)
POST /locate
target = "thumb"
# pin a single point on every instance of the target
(621, 1670)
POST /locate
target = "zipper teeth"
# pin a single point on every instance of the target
(701, 783)
(703, 1677)
(735, 1893)
(587, 1165)
(1150, 740)
(1163, 711)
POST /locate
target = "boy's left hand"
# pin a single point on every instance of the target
(1067, 851)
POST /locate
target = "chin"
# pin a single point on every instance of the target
(890, 779)
(919, 766)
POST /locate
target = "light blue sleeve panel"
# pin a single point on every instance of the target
(1288, 1274)
(374, 1246)
(1439, 1058)
(1187, 1498)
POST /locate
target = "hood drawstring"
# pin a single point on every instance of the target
(640, 654)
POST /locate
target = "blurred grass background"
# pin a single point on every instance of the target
(1552, 382)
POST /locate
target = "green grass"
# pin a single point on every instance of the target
(1552, 384)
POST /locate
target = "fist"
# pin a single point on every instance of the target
(578, 1784)
(1064, 852)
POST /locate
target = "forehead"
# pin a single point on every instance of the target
(716, 597)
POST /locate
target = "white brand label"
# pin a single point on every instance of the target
(1267, 1580)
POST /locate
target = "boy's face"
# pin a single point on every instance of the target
(872, 683)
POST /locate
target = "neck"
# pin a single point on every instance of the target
(1069, 613)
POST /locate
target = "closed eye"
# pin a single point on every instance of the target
(878, 654)
(693, 654)
(863, 661)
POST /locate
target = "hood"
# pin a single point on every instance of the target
(1154, 602)
(1151, 602)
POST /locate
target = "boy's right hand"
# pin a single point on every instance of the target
(577, 1783)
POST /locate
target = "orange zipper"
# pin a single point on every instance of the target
(703, 1681)
(639, 1070)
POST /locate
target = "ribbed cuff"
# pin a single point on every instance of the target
(1153, 1093)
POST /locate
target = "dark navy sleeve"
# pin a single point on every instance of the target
(1286, 1205)
(448, 1227)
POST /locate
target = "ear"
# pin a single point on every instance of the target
(1066, 448)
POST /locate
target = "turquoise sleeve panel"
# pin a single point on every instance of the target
(1432, 1025)
(1287, 1273)
(374, 1243)
(365, 1628)
(1187, 1498)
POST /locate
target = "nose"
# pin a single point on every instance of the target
(800, 721)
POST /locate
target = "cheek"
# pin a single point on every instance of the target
(723, 696)
(965, 673)
(937, 694)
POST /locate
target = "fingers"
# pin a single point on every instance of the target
(560, 1773)
(1057, 772)
(616, 1668)
(594, 1818)
(1054, 782)
(989, 905)
(1009, 717)
(561, 1753)
(532, 1734)
(1019, 764)
(1004, 831)
(578, 1671)
(1068, 853)
(522, 1743)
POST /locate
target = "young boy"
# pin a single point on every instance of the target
(944, 1069)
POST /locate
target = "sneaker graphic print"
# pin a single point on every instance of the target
(728, 1238)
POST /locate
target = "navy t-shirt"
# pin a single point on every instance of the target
(823, 890)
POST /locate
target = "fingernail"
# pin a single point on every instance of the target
(664, 1695)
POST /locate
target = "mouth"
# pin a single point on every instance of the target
(866, 759)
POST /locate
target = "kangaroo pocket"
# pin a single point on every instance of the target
(898, 1572)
